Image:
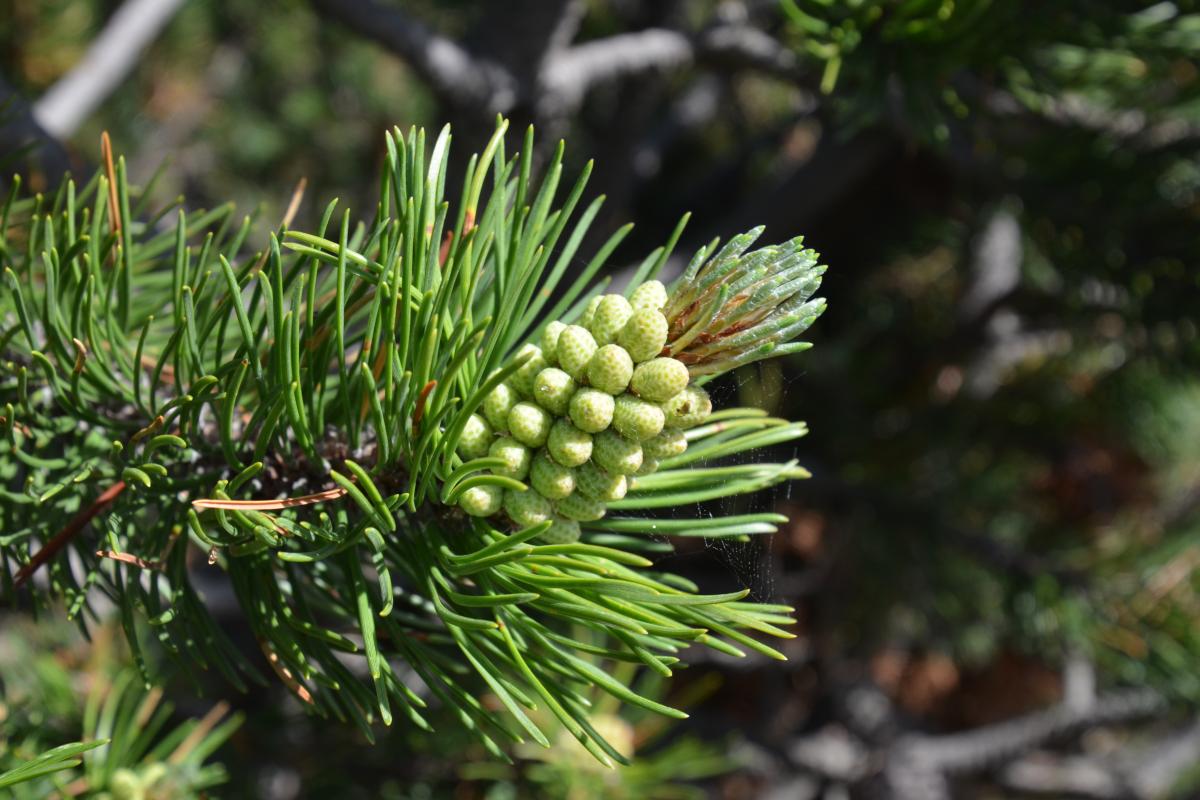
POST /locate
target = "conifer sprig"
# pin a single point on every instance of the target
(735, 308)
(308, 418)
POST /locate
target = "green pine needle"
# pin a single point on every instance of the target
(312, 397)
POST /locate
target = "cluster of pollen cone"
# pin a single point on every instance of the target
(593, 406)
(606, 400)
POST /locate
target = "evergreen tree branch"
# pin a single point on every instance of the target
(451, 70)
(918, 765)
(60, 540)
(292, 365)
(994, 744)
(747, 47)
(568, 74)
(108, 61)
(1130, 126)
(571, 72)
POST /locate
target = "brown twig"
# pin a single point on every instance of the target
(72, 529)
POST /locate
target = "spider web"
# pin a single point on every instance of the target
(751, 564)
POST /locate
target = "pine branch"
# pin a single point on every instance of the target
(108, 61)
(72, 529)
(360, 431)
(567, 72)
(919, 765)
(570, 73)
(746, 47)
(1131, 127)
(450, 69)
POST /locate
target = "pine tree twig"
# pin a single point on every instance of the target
(995, 266)
(1130, 126)
(1075, 776)
(567, 72)
(1159, 765)
(919, 766)
(107, 63)
(1140, 770)
(566, 25)
(478, 584)
(995, 744)
(832, 753)
(447, 66)
(69, 532)
(746, 47)
(571, 72)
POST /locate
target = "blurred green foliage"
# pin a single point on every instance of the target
(929, 64)
(58, 689)
(1002, 452)
(235, 95)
